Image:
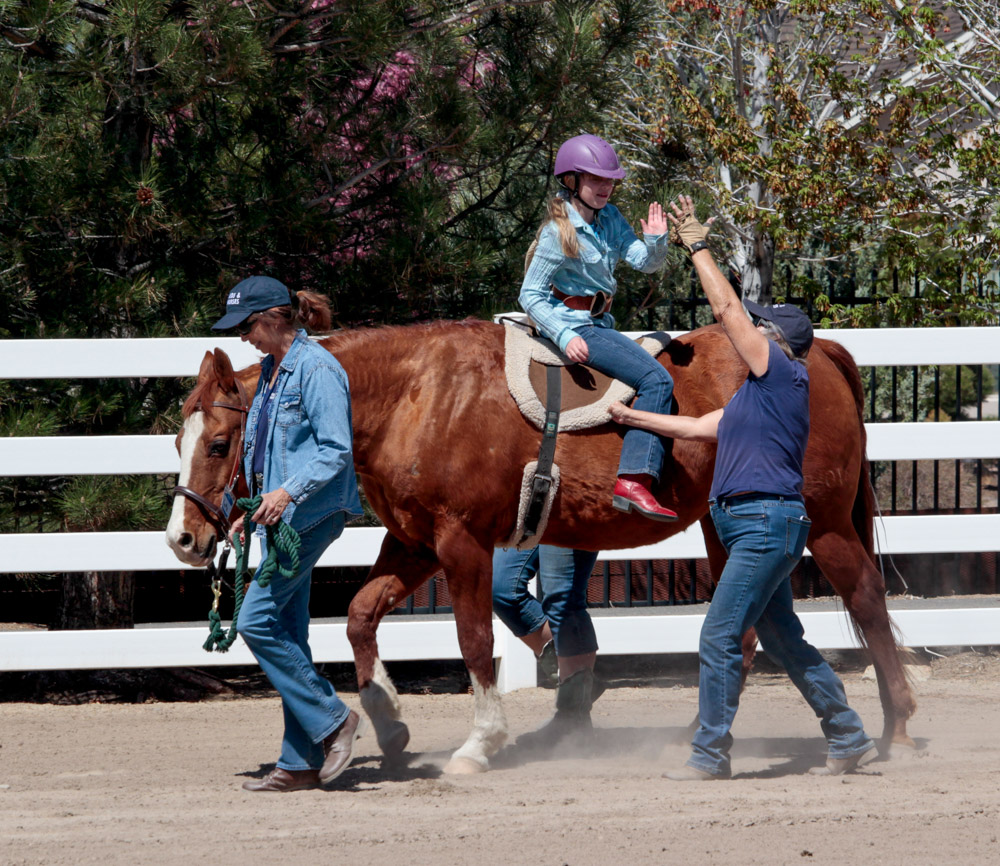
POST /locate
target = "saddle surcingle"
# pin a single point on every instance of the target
(554, 394)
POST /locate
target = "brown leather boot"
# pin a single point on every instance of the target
(284, 780)
(632, 493)
(338, 747)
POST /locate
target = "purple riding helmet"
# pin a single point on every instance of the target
(588, 153)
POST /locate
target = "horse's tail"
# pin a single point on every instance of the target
(863, 511)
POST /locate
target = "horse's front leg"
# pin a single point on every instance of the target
(397, 572)
(468, 566)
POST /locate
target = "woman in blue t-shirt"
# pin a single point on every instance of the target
(759, 514)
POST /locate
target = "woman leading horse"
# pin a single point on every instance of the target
(296, 456)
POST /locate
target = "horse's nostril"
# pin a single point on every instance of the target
(186, 539)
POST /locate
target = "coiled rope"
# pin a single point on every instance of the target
(281, 538)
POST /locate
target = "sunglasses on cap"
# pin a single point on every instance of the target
(244, 327)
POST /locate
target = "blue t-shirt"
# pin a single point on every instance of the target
(764, 430)
(260, 449)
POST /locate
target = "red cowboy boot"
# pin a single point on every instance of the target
(632, 491)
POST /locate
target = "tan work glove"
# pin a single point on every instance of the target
(689, 233)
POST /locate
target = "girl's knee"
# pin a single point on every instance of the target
(657, 377)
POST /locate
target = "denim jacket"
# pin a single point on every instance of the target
(309, 435)
(602, 246)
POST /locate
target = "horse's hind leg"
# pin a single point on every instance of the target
(397, 572)
(845, 563)
(468, 567)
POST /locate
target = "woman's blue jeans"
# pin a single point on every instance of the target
(274, 622)
(612, 353)
(764, 539)
(563, 574)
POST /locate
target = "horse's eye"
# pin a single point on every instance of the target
(218, 448)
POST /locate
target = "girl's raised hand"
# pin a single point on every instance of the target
(657, 222)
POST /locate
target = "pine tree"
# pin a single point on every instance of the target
(153, 152)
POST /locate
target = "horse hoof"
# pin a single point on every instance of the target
(395, 740)
(902, 749)
(464, 767)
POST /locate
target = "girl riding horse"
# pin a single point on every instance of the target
(568, 289)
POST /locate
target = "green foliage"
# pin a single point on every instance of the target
(958, 389)
(388, 153)
(822, 128)
(113, 503)
(392, 155)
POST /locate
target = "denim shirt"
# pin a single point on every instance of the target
(309, 436)
(602, 246)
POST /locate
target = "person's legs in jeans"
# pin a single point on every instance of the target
(274, 622)
(513, 603)
(781, 636)
(564, 574)
(756, 565)
(612, 353)
(641, 461)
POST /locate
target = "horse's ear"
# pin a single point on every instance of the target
(224, 371)
(207, 367)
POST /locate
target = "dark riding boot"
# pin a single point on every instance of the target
(549, 664)
(574, 698)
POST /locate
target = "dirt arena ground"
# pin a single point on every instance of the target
(160, 783)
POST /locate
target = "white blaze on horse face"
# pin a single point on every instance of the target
(194, 426)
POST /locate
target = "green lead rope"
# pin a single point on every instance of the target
(281, 538)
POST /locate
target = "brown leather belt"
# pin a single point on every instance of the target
(596, 305)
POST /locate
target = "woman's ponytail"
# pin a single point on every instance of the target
(313, 311)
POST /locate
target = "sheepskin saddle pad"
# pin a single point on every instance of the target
(586, 394)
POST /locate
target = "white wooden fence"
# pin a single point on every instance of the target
(414, 638)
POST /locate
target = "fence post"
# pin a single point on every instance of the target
(516, 667)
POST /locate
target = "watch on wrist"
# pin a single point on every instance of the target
(696, 247)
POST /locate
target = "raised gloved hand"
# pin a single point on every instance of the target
(685, 230)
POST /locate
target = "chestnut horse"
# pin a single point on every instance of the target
(440, 446)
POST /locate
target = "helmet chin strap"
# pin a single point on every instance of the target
(575, 193)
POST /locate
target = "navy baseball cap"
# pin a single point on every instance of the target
(251, 296)
(791, 322)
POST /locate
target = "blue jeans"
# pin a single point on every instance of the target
(764, 539)
(563, 574)
(612, 353)
(274, 622)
